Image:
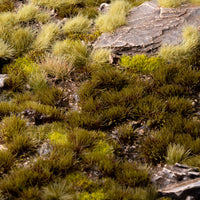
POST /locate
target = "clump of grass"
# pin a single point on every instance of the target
(43, 17)
(61, 160)
(6, 161)
(56, 66)
(100, 56)
(180, 106)
(78, 24)
(126, 134)
(193, 161)
(6, 51)
(8, 19)
(115, 17)
(79, 140)
(132, 175)
(51, 96)
(16, 77)
(101, 156)
(63, 7)
(56, 137)
(19, 180)
(56, 190)
(6, 108)
(12, 126)
(49, 113)
(171, 3)
(154, 149)
(38, 80)
(46, 36)
(176, 153)
(27, 13)
(21, 39)
(141, 63)
(6, 5)
(185, 52)
(21, 144)
(76, 52)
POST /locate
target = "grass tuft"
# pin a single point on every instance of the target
(27, 13)
(48, 34)
(176, 153)
(78, 24)
(6, 51)
(115, 17)
(56, 67)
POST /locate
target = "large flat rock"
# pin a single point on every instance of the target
(148, 27)
(183, 190)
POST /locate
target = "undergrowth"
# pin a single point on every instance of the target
(74, 126)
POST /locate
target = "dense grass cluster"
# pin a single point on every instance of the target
(176, 3)
(63, 95)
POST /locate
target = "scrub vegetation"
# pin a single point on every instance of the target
(67, 115)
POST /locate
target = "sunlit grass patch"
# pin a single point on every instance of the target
(6, 51)
(6, 5)
(100, 56)
(8, 19)
(6, 161)
(27, 13)
(78, 24)
(176, 153)
(57, 67)
(12, 126)
(21, 39)
(22, 144)
(141, 63)
(45, 38)
(115, 17)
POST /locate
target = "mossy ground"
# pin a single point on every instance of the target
(62, 92)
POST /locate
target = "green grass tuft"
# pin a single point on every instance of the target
(115, 17)
(78, 24)
(176, 153)
(45, 38)
(6, 51)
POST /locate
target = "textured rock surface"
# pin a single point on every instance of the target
(150, 26)
(183, 191)
(178, 181)
(170, 174)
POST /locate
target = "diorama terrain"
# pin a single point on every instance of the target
(76, 125)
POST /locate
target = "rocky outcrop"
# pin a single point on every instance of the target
(148, 27)
(188, 190)
(178, 181)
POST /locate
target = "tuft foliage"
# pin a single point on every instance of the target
(78, 24)
(48, 34)
(115, 17)
(176, 153)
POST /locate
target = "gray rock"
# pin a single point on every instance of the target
(104, 7)
(184, 190)
(171, 174)
(45, 149)
(148, 27)
(3, 77)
